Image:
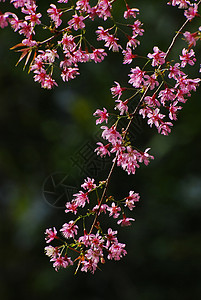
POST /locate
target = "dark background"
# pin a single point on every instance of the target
(43, 135)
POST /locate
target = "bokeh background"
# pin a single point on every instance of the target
(47, 137)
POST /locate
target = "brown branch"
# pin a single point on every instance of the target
(114, 162)
(177, 34)
(129, 123)
(103, 194)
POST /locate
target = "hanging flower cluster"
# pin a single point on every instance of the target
(157, 91)
(67, 45)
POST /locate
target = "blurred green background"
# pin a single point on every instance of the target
(48, 135)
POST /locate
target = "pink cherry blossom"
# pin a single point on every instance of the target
(97, 241)
(152, 101)
(192, 84)
(40, 75)
(102, 33)
(51, 234)
(165, 128)
(187, 85)
(128, 56)
(103, 9)
(132, 42)
(49, 82)
(114, 210)
(136, 27)
(88, 184)
(122, 106)
(69, 73)
(80, 56)
(136, 77)
(151, 80)
(91, 261)
(111, 43)
(82, 5)
(182, 83)
(158, 57)
(50, 55)
(117, 90)
(116, 251)
(125, 221)
(130, 12)
(180, 3)
(67, 42)
(98, 55)
(99, 209)
(175, 72)
(37, 64)
(102, 150)
(92, 11)
(145, 157)
(191, 12)
(77, 22)
(118, 148)
(173, 110)
(61, 262)
(166, 95)
(3, 20)
(71, 207)
(29, 7)
(187, 57)
(55, 15)
(15, 22)
(111, 134)
(172, 2)
(191, 38)
(86, 239)
(183, 3)
(128, 160)
(131, 199)
(180, 96)
(69, 230)
(111, 237)
(19, 3)
(102, 114)
(155, 117)
(34, 18)
(51, 251)
(145, 111)
(81, 198)
(29, 42)
(89, 265)
(26, 29)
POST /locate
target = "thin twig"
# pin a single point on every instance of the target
(103, 195)
(129, 123)
(177, 34)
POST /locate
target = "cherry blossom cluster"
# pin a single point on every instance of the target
(156, 91)
(160, 90)
(190, 9)
(170, 93)
(89, 249)
(126, 157)
(67, 45)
